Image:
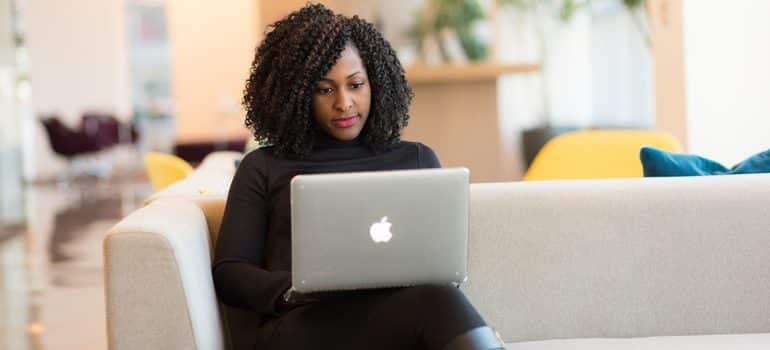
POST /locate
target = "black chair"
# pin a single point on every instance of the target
(67, 142)
(107, 130)
(72, 145)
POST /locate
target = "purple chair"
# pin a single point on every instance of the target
(67, 142)
(107, 129)
(99, 128)
(73, 145)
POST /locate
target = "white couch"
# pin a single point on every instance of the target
(667, 263)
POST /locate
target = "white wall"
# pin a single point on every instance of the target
(727, 70)
(78, 62)
(78, 56)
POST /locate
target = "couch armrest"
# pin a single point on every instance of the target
(158, 284)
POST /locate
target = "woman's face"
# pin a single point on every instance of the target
(341, 99)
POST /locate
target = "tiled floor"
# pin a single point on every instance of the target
(51, 266)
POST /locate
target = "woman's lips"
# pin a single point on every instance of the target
(346, 122)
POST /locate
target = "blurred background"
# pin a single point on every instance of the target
(89, 88)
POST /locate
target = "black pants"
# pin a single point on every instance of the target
(423, 317)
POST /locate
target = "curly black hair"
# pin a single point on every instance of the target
(296, 53)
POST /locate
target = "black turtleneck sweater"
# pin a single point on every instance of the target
(252, 264)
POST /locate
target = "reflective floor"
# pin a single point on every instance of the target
(51, 264)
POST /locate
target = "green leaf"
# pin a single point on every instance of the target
(633, 3)
(472, 46)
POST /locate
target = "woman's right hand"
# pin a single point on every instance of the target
(292, 299)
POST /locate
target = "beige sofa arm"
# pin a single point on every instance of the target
(159, 289)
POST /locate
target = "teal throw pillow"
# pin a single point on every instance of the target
(657, 162)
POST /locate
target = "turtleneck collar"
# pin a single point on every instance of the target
(324, 140)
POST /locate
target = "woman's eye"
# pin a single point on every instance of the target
(357, 85)
(324, 91)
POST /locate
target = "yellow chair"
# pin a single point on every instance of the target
(595, 154)
(164, 169)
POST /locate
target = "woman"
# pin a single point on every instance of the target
(328, 94)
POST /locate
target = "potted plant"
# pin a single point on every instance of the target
(445, 24)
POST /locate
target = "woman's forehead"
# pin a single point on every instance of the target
(348, 64)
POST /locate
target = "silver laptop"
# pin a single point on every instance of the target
(379, 229)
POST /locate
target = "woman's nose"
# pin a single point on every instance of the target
(343, 102)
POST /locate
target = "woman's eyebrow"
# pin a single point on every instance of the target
(348, 77)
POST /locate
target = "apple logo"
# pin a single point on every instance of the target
(380, 231)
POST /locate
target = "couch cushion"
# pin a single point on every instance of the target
(221, 160)
(208, 191)
(702, 342)
(207, 187)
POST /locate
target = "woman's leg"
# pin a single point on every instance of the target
(422, 317)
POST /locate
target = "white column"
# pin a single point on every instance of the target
(666, 33)
(10, 162)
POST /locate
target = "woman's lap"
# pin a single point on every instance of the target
(400, 318)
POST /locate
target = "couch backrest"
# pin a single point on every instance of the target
(617, 258)
(622, 258)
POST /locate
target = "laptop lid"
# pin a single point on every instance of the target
(379, 229)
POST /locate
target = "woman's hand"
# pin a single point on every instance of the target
(292, 299)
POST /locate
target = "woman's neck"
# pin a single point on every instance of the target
(324, 140)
